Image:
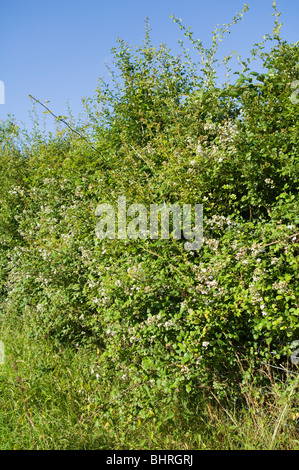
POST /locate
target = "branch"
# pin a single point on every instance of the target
(64, 122)
(277, 241)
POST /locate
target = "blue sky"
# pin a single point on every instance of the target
(56, 50)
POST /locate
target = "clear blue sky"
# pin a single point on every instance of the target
(56, 50)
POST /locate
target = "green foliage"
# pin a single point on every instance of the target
(57, 398)
(166, 321)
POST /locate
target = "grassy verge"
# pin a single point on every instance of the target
(50, 398)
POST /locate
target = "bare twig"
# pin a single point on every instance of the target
(281, 368)
(228, 414)
(277, 241)
(64, 122)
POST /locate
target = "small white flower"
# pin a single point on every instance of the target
(205, 344)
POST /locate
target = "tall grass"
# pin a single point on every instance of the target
(50, 398)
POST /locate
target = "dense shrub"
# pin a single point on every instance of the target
(167, 319)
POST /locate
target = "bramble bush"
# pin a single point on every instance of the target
(166, 321)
